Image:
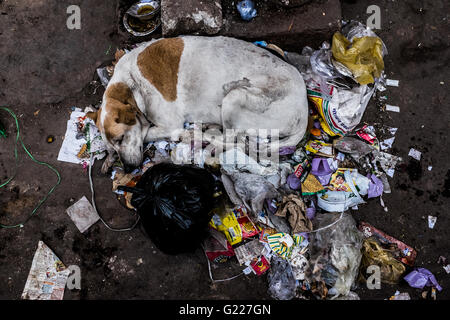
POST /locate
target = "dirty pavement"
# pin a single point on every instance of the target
(369, 185)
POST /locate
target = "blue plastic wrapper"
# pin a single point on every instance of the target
(247, 9)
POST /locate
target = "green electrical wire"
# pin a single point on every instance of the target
(2, 131)
(16, 157)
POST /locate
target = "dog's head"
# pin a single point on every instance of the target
(122, 124)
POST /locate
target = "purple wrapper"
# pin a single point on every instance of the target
(305, 235)
(272, 209)
(375, 186)
(287, 150)
(293, 182)
(320, 167)
(311, 213)
(422, 277)
(324, 180)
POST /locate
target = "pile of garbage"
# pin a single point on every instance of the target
(291, 219)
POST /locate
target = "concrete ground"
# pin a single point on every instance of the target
(45, 69)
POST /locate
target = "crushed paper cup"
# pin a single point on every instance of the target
(431, 221)
(447, 268)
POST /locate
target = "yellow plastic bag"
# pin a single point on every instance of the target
(363, 56)
(373, 254)
(228, 225)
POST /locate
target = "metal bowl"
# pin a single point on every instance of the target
(152, 25)
(144, 10)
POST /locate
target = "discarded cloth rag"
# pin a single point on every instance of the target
(294, 209)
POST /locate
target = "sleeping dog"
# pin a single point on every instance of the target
(211, 80)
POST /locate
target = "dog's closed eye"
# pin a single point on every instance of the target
(118, 140)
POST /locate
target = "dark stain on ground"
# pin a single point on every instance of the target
(60, 232)
(446, 192)
(93, 253)
(419, 53)
(414, 170)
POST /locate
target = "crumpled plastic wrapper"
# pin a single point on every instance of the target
(422, 277)
(335, 252)
(387, 161)
(354, 147)
(235, 160)
(247, 9)
(299, 263)
(248, 189)
(373, 254)
(282, 284)
(361, 54)
(341, 109)
(321, 62)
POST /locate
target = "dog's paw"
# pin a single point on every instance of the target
(107, 165)
(90, 109)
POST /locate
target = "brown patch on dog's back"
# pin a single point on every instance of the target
(159, 64)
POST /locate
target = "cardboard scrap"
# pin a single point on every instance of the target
(392, 108)
(416, 154)
(392, 83)
(247, 252)
(83, 214)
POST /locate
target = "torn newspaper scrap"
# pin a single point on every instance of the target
(82, 138)
(48, 276)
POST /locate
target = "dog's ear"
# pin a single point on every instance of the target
(93, 115)
(126, 115)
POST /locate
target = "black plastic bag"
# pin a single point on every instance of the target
(174, 203)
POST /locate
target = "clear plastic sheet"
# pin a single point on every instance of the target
(335, 253)
(282, 284)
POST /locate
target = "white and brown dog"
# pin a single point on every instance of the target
(211, 80)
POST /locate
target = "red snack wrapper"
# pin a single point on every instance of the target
(366, 134)
(247, 226)
(260, 265)
(217, 248)
(265, 232)
(408, 253)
